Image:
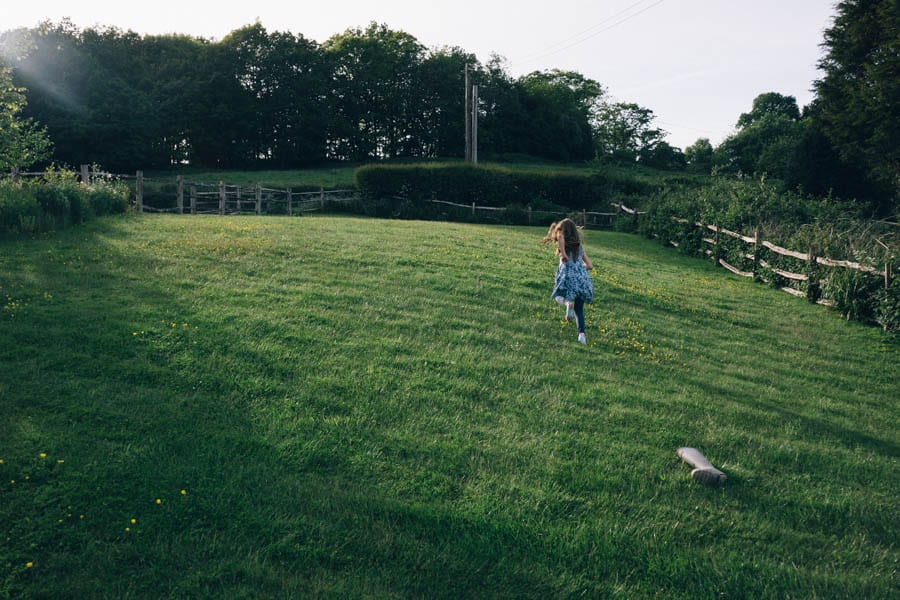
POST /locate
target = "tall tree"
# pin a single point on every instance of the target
(374, 72)
(699, 155)
(440, 82)
(22, 142)
(770, 103)
(766, 140)
(560, 105)
(623, 131)
(277, 85)
(859, 96)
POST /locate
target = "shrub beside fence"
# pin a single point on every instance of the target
(56, 199)
(863, 292)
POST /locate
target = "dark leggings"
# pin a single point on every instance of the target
(579, 314)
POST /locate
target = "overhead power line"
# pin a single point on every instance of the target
(592, 32)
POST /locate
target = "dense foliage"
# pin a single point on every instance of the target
(858, 100)
(22, 142)
(279, 100)
(827, 228)
(57, 200)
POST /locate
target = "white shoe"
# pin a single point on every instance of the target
(581, 338)
(570, 312)
(560, 300)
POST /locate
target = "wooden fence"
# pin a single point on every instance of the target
(201, 198)
(754, 255)
(584, 218)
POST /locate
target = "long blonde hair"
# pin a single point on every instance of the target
(571, 234)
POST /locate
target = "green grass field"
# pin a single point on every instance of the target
(319, 407)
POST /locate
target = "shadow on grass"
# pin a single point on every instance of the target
(111, 377)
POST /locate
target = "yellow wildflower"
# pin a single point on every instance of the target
(29, 564)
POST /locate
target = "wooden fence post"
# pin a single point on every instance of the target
(238, 197)
(718, 253)
(321, 198)
(258, 199)
(139, 191)
(529, 214)
(85, 175)
(757, 243)
(813, 289)
(14, 173)
(221, 197)
(473, 210)
(193, 200)
(290, 202)
(179, 186)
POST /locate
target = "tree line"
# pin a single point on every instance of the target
(279, 100)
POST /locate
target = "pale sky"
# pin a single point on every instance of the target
(697, 64)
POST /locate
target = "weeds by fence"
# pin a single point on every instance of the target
(847, 286)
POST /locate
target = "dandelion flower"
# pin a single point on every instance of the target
(60, 461)
(134, 521)
(43, 455)
(184, 492)
(158, 501)
(29, 564)
(127, 529)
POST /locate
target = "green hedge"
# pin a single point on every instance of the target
(33, 206)
(488, 185)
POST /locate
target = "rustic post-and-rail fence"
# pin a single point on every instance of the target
(162, 195)
(203, 198)
(759, 266)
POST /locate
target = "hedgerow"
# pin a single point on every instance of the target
(491, 185)
(56, 201)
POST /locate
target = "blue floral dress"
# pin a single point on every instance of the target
(572, 280)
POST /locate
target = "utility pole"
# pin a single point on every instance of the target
(475, 124)
(468, 113)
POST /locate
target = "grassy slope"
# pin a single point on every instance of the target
(360, 408)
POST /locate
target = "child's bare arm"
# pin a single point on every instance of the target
(561, 244)
(587, 261)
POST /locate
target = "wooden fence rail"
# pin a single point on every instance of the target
(584, 218)
(810, 278)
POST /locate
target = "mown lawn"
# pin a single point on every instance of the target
(350, 408)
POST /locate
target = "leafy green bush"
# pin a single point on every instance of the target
(107, 199)
(887, 307)
(57, 200)
(19, 208)
(853, 293)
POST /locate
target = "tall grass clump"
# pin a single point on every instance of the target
(57, 200)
